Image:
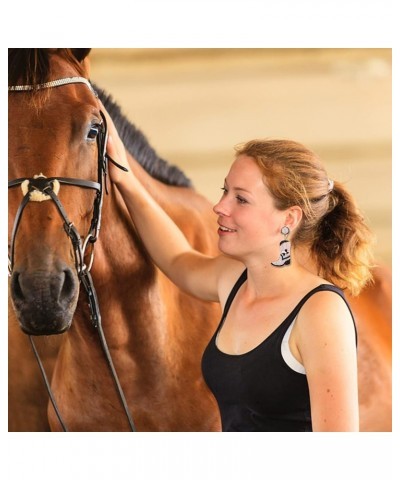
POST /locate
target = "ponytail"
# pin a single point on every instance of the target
(342, 243)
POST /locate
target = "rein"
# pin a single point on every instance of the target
(46, 187)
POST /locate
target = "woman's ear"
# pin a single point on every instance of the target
(293, 217)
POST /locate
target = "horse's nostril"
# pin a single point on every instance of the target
(68, 286)
(16, 287)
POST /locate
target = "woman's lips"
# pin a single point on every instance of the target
(222, 230)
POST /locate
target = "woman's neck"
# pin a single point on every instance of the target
(266, 280)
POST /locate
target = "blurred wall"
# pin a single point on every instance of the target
(194, 105)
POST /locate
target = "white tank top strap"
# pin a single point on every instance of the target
(287, 355)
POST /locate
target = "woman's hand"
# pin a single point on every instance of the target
(116, 150)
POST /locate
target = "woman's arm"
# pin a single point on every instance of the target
(325, 338)
(194, 272)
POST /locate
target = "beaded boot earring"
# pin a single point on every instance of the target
(284, 248)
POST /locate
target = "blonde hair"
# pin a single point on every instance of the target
(332, 225)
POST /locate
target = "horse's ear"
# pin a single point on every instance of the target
(80, 53)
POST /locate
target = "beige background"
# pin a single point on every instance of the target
(194, 105)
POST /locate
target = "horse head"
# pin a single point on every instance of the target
(53, 135)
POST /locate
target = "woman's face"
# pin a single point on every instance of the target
(249, 224)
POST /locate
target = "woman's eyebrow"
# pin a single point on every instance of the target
(240, 189)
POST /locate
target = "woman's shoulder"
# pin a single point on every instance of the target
(322, 297)
(324, 315)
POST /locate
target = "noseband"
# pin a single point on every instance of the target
(46, 187)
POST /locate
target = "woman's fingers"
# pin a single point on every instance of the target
(115, 148)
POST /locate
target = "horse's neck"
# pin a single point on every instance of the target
(129, 285)
(151, 327)
(118, 237)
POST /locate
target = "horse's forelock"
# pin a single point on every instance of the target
(31, 66)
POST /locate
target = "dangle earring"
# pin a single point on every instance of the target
(284, 248)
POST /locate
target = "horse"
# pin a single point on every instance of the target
(372, 310)
(155, 332)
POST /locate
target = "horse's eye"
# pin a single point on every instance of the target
(93, 132)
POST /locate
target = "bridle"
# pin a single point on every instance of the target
(45, 186)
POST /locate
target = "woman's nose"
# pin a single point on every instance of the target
(221, 208)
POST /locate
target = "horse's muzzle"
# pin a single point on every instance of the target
(44, 301)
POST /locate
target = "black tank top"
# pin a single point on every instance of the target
(257, 391)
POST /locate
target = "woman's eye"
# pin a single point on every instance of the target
(93, 132)
(241, 199)
(224, 190)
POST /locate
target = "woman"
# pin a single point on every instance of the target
(284, 355)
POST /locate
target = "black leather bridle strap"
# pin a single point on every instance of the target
(46, 189)
(47, 384)
(75, 182)
(87, 282)
(17, 220)
(70, 230)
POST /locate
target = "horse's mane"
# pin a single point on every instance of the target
(138, 146)
(31, 66)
